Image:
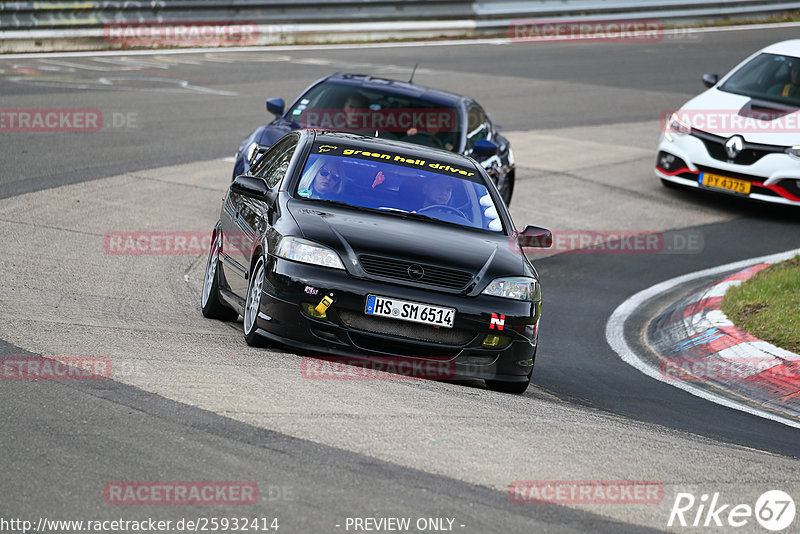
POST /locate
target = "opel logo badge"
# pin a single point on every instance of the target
(734, 146)
(416, 272)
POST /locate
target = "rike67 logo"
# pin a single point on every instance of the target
(774, 510)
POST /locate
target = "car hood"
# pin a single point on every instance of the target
(725, 114)
(268, 134)
(352, 232)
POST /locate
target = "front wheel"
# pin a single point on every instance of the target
(212, 307)
(252, 306)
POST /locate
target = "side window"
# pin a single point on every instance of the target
(478, 126)
(276, 162)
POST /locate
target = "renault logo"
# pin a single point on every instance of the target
(416, 271)
(733, 146)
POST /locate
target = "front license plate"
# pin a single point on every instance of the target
(415, 312)
(724, 182)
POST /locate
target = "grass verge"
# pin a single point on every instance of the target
(768, 305)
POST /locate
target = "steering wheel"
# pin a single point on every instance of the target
(454, 211)
(436, 142)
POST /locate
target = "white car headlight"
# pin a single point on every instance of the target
(794, 151)
(305, 251)
(676, 126)
(514, 287)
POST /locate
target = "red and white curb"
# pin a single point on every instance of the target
(698, 343)
(700, 347)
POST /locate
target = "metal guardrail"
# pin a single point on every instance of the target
(80, 24)
(89, 14)
(499, 13)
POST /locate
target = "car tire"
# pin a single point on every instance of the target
(517, 388)
(252, 305)
(212, 306)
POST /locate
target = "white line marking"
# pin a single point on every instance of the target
(615, 333)
(706, 320)
(408, 44)
(720, 289)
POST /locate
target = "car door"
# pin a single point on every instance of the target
(248, 217)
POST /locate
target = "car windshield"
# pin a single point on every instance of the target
(398, 184)
(394, 116)
(768, 77)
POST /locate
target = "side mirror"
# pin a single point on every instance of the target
(275, 106)
(250, 186)
(535, 236)
(484, 148)
(710, 79)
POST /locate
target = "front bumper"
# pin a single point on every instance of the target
(774, 178)
(347, 331)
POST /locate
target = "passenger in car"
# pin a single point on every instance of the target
(329, 181)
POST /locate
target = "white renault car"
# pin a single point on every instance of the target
(742, 135)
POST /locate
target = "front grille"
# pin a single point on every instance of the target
(751, 152)
(399, 348)
(420, 332)
(398, 270)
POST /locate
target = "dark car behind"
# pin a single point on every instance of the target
(393, 110)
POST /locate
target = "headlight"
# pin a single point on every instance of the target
(516, 287)
(676, 126)
(794, 151)
(251, 150)
(305, 251)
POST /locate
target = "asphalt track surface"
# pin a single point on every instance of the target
(63, 441)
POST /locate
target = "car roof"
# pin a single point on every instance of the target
(393, 86)
(377, 143)
(788, 48)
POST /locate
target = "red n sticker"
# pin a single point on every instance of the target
(497, 322)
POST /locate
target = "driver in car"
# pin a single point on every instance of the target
(437, 192)
(791, 89)
(433, 130)
(437, 196)
(356, 113)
